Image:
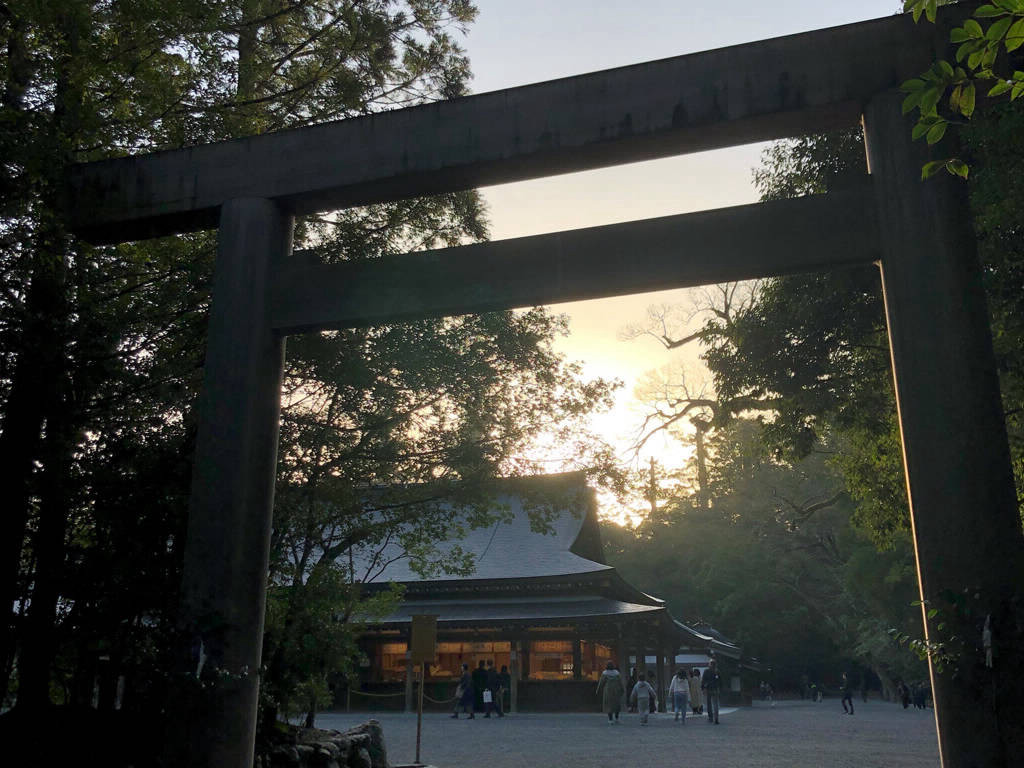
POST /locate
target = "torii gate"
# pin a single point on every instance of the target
(964, 512)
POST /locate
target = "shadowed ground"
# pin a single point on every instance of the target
(791, 734)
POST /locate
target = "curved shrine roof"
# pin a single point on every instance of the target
(511, 549)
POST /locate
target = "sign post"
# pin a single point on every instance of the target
(423, 650)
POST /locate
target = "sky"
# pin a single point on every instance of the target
(516, 42)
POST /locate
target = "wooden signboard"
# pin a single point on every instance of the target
(424, 639)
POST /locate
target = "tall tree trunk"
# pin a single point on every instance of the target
(40, 638)
(888, 686)
(32, 395)
(244, 119)
(26, 403)
(53, 403)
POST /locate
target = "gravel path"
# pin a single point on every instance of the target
(793, 734)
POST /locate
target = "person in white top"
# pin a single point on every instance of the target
(679, 692)
(642, 694)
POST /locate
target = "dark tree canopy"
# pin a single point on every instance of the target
(101, 349)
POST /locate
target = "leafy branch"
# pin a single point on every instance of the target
(976, 56)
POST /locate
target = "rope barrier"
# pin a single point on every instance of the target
(387, 695)
(439, 701)
(377, 695)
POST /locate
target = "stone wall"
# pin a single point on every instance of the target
(359, 747)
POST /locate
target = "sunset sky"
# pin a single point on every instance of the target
(515, 42)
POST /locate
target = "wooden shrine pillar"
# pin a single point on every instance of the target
(410, 672)
(513, 693)
(671, 665)
(660, 672)
(577, 659)
(622, 653)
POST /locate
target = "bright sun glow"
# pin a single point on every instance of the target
(598, 328)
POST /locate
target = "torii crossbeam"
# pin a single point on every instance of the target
(966, 525)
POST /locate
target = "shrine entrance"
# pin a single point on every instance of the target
(964, 511)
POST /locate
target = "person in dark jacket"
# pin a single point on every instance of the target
(847, 694)
(479, 683)
(711, 685)
(504, 685)
(918, 695)
(493, 683)
(464, 695)
(903, 692)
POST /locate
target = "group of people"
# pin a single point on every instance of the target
(691, 691)
(916, 694)
(482, 690)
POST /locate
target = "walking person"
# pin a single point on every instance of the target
(644, 696)
(504, 685)
(696, 700)
(903, 691)
(493, 683)
(611, 690)
(711, 684)
(847, 694)
(479, 685)
(918, 695)
(679, 691)
(464, 694)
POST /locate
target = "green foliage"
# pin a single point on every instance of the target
(311, 632)
(974, 72)
(108, 342)
(813, 348)
(776, 565)
(389, 431)
(994, 144)
(809, 357)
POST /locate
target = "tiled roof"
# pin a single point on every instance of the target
(510, 550)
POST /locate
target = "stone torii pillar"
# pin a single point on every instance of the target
(228, 541)
(967, 527)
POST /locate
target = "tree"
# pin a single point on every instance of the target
(102, 347)
(983, 71)
(776, 565)
(674, 402)
(813, 348)
(809, 353)
(383, 446)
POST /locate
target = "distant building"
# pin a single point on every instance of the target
(546, 606)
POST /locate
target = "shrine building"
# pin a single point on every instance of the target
(545, 605)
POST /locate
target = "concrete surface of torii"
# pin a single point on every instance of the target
(963, 505)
